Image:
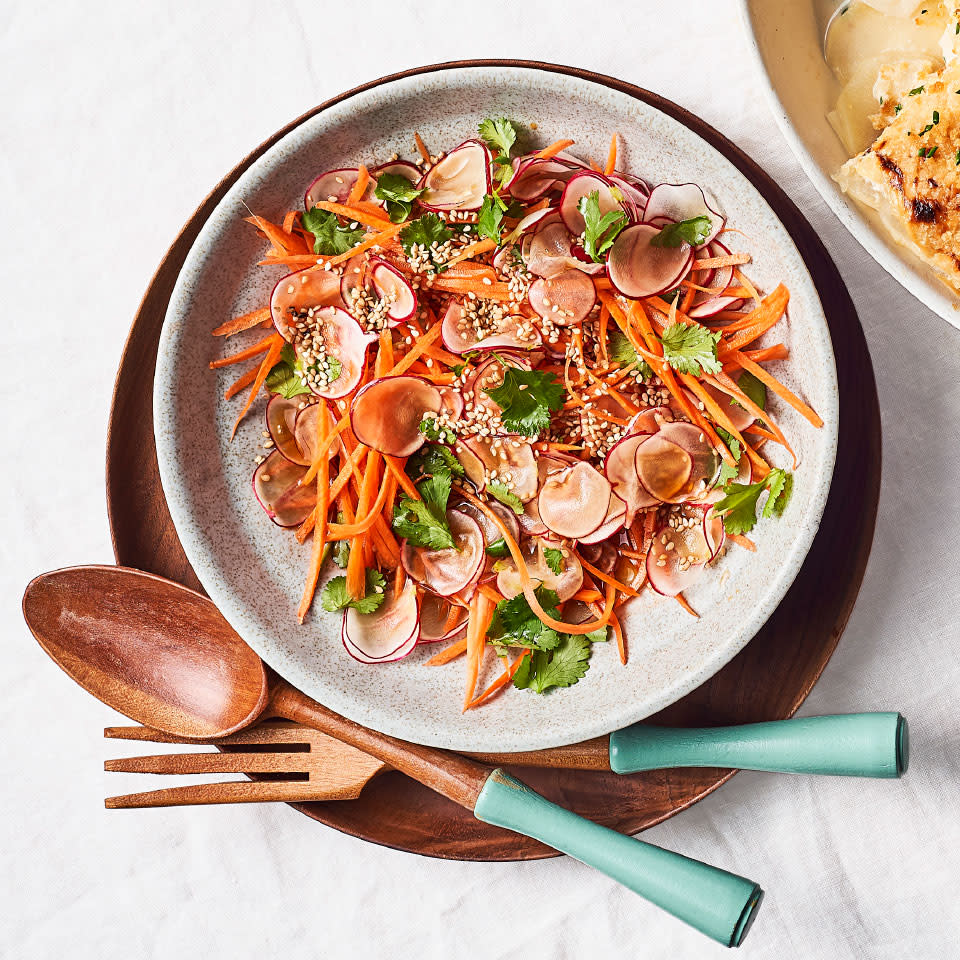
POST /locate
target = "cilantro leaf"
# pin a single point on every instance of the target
(432, 459)
(527, 397)
(560, 667)
(424, 522)
(329, 237)
(693, 231)
(500, 491)
(600, 231)
(500, 134)
(397, 193)
(423, 233)
(432, 430)
(335, 596)
(554, 558)
(727, 471)
(498, 548)
(284, 378)
(491, 216)
(739, 504)
(621, 350)
(341, 548)
(754, 388)
(690, 348)
(514, 624)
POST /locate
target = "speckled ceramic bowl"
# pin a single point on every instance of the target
(253, 570)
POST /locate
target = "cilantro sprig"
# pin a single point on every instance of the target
(738, 508)
(690, 348)
(432, 459)
(491, 215)
(423, 523)
(500, 491)
(335, 596)
(620, 349)
(398, 194)
(330, 238)
(600, 229)
(693, 231)
(284, 376)
(526, 399)
(423, 233)
(500, 135)
(554, 558)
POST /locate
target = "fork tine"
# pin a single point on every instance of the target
(282, 731)
(184, 763)
(234, 791)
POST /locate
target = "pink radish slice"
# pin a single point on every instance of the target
(621, 470)
(460, 180)
(530, 522)
(488, 376)
(276, 483)
(612, 522)
(682, 201)
(744, 475)
(582, 185)
(602, 555)
(386, 413)
(491, 532)
(635, 199)
(563, 299)
(514, 333)
(671, 571)
(472, 465)
(648, 421)
(346, 342)
(302, 291)
(391, 284)
(536, 177)
(662, 467)
(549, 251)
(638, 269)
(398, 168)
(500, 454)
(714, 533)
(705, 461)
(574, 501)
(334, 186)
(451, 402)
(527, 223)
(706, 304)
(434, 612)
(305, 430)
(446, 572)
(281, 423)
(388, 633)
(565, 584)
(739, 416)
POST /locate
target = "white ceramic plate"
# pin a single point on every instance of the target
(253, 570)
(786, 40)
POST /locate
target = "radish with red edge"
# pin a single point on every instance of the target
(527, 223)
(638, 269)
(563, 299)
(513, 333)
(491, 532)
(582, 185)
(536, 177)
(345, 341)
(634, 199)
(383, 281)
(460, 180)
(397, 168)
(620, 468)
(451, 402)
(739, 416)
(707, 304)
(305, 430)
(281, 424)
(565, 583)
(676, 559)
(704, 459)
(649, 420)
(662, 467)
(334, 186)
(434, 615)
(614, 520)
(683, 201)
(714, 533)
(387, 634)
(386, 413)
(472, 465)
(448, 571)
(276, 484)
(744, 475)
(499, 454)
(574, 501)
(302, 291)
(489, 375)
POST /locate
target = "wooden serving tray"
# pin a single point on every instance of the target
(767, 680)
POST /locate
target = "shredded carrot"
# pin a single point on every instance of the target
(244, 380)
(356, 576)
(396, 468)
(606, 578)
(682, 600)
(282, 241)
(466, 285)
(399, 580)
(558, 146)
(456, 649)
(245, 322)
(422, 147)
(261, 346)
(621, 640)
(730, 260)
(500, 682)
(474, 250)
(779, 389)
(324, 446)
(273, 355)
(741, 541)
(289, 220)
(351, 212)
(359, 185)
(490, 593)
(611, 157)
(369, 241)
(480, 609)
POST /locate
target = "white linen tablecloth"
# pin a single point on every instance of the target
(117, 120)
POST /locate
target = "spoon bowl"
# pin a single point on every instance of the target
(183, 670)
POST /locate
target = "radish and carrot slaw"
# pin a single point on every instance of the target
(507, 392)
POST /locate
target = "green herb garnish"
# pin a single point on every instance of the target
(330, 238)
(693, 231)
(335, 597)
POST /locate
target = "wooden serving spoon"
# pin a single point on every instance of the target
(164, 656)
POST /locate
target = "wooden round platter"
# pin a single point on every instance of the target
(768, 680)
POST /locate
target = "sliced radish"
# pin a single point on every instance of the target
(634, 198)
(305, 431)
(381, 280)
(535, 177)
(488, 375)
(506, 454)
(530, 522)
(398, 168)
(550, 250)
(564, 298)
(574, 501)
(451, 402)
(612, 522)
(460, 180)
(714, 533)
(491, 532)
(565, 584)
(281, 423)
(386, 413)
(435, 614)
(472, 465)
(682, 201)
(388, 633)
(707, 304)
(335, 186)
(739, 416)
(621, 470)
(527, 223)
(704, 460)
(663, 467)
(345, 341)
(648, 421)
(676, 558)
(744, 475)
(582, 185)
(638, 269)
(513, 333)
(301, 292)
(447, 572)
(276, 483)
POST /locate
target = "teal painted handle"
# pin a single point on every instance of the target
(852, 745)
(719, 904)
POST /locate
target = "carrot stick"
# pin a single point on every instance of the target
(353, 213)
(779, 389)
(283, 241)
(500, 682)
(730, 260)
(356, 582)
(556, 147)
(682, 600)
(359, 185)
(611, 157)
(741, 541)
(586, 595)
(487, 291)
(621, 640)
(261, 346)
(475, 640)
(606, 578)
(244, 380)
(474, 250)
(448, 653)
(319, 535)
(324, 446)
(778, 351)
(399, 579)
(369, 241)
(273, 355)
(340, 531)
(238, 324)
(491, 593)
(422, 147)
(400, 475)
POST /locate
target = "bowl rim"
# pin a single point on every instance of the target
(800, 543)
